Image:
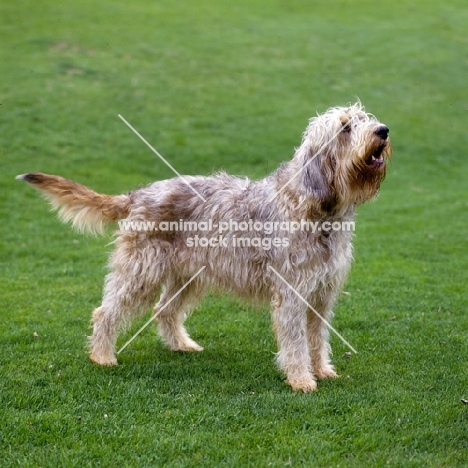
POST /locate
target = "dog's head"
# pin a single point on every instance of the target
(343, 155)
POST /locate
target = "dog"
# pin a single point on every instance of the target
(339, 165)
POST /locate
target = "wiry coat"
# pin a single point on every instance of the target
(339, 165)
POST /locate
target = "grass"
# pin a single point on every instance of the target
(230, 85)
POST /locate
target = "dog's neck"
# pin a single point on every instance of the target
(297, 202)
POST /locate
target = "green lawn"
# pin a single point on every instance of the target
(230, 85)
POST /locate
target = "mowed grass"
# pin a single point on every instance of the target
(230, 85)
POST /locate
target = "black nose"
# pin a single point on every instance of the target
(382, 132)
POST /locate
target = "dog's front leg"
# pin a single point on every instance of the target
(290, 325)
(319, 347)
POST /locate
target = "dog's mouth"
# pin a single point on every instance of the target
(376, 159)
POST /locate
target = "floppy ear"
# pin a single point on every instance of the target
(318, 185)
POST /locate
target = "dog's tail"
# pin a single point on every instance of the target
(87, 210)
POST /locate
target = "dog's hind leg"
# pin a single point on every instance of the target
(172, 310)
(123, 300)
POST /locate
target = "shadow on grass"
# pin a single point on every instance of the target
(213, 370)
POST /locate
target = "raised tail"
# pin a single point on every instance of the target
(87, 210)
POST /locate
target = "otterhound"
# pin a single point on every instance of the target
(339, 165)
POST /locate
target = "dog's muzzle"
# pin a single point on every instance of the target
(376, 158)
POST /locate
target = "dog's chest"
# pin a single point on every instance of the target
(326, 251)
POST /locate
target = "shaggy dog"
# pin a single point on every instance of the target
(339, 165)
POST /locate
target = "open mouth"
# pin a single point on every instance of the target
(376, 158)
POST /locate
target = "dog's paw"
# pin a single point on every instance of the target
(103, 360)
(326, 373)
(188, 347)
(305, 385)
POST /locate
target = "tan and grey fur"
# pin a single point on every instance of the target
(339, 165)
